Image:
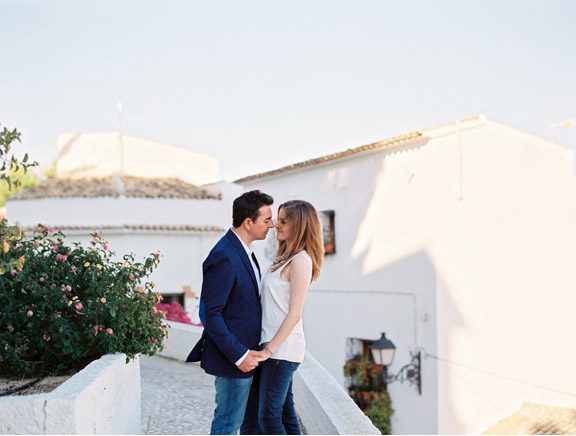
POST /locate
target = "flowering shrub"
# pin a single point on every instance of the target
(175, 312)
(64, 306)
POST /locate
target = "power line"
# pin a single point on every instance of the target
(483, 371)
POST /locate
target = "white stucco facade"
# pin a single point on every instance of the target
(460, 243)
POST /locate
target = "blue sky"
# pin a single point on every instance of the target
(260, 84)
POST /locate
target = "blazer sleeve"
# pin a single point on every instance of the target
(217, 285)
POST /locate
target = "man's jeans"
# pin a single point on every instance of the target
(231, 399)
(271, 405)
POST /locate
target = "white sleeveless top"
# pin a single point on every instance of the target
(275, 299)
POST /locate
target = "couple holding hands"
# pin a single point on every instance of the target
(253, 339)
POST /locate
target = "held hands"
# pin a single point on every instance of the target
(263, 355)
(254, 357)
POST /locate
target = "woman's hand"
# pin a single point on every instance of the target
(263, 355)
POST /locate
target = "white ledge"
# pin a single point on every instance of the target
(103, 398)
(323, 405)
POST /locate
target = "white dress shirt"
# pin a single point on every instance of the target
(249, 252)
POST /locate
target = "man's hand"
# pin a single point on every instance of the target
(250, 362)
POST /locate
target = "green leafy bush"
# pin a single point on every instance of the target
(65, 306)
(380, 412)
(10, 165)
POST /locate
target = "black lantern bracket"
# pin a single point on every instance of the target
(411, 372)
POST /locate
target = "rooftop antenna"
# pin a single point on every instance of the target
(119, 109)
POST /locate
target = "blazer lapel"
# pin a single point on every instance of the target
(243, 256)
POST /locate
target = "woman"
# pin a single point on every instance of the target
(298, 261)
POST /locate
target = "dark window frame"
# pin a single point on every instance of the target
(327, 217)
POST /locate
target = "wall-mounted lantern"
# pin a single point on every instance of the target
(383, 353)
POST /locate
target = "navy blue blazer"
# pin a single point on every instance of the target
(229, 309)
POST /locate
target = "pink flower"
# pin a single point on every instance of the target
(29, 314)
(105, 246)
(53, 285)
(42, 279)
(61, 257)
(154, 311)
(131, 276)
(96, 329)
(13, 273)
(109, 331)
(46, 337)
(78, 306)
(68, 288)
(55, 248)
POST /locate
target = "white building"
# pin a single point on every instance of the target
(141, 196)
(459, 241)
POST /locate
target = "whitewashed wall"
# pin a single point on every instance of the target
(104, 211)
(505, 254)
(463, 246)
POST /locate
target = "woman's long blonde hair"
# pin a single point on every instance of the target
(306, 234)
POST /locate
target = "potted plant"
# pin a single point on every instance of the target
(365, 381)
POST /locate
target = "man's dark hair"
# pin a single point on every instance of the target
(247, 205)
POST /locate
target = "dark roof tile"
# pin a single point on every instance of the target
(115, 186)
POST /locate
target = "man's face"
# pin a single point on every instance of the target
(263, 222)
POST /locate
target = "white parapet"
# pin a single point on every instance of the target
(103, 398)
(323, 406)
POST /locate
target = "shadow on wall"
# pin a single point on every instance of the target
(450, 322)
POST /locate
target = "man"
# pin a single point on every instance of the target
(230, 310)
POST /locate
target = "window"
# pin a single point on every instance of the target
(328, 230)
(170, 298)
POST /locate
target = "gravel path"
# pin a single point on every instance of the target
(177, 398)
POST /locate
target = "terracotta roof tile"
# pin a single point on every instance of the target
(133, 228)
(395, 141)
(537, 419)
(114, 186)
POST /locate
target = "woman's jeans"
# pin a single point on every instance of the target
(270, 408)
